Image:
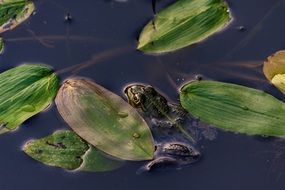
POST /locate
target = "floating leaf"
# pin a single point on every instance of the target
(235, 108)
(25, 91)
(67, 150)
(104, 120)
(1, 46)
(274, 69)
(183, 23)
(14, 12)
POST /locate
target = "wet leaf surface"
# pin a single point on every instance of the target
(183, 23)
(104, 120)
(67, 150)
(234, 108)
(274, 69)
(25, 91)
(14, 12)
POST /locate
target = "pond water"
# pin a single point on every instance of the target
(106, 30)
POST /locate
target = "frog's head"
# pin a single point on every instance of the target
(135, 95)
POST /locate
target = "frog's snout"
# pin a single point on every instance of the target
(126, 90)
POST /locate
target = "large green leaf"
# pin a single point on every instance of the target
(14, 12)
(104, 120)
(235, 108)
(67, 150)
(274, 69)
(25, 91)
(183, 23)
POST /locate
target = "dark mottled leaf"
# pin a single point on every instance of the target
(67, 150)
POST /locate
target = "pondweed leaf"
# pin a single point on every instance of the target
(14, 12)
(67, 150)
(25, 91)
(183, 23)
(104, 120)
(234, 108)
(274, 70)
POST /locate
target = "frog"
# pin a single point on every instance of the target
(176, 143)
(165, 114)
(154, 105)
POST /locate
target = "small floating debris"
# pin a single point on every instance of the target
(241, 28)
(68, 17)
(1, 46)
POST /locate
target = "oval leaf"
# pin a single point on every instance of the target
(25, 91)
(67, 150)
(14, 12)
(104, 120)
(274, 70)
(235, 108)
(183, 23)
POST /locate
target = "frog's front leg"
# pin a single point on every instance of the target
(162, 123)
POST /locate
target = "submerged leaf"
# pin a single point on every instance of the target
(97, 161)
(274, 69)
(104, 120)
(235, 108)
(14, 12)
(25, 91)
(183, 23)
(67, 150)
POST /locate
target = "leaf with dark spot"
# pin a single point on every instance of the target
(67, 150)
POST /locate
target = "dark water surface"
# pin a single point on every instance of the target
(230, 162)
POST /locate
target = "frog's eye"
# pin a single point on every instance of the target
(136, 99)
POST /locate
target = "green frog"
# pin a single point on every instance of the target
(174, 130)
(155, 106)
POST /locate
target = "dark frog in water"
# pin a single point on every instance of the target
(155, 106)
(174, 130)
(172, 154)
